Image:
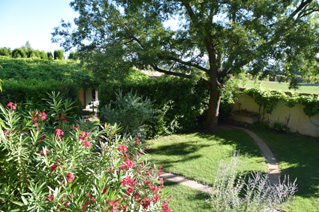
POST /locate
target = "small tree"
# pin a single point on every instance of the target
(58, 55)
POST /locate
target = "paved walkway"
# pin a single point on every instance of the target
(272, 164)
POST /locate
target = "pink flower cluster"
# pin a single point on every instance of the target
(12, 106)
(85, 137)
(39, 116)
(58, 133)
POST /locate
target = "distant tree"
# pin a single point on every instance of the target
(43, 55)
(74, 56)
(5, 51)
(19, 53)
(212, 39)
(27, 45)
(58, 55)
(49, 55)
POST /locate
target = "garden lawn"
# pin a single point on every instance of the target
(186, 199)
(276, 86)
(197, 156)
(299, 157)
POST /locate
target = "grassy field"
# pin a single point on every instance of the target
(197, 156)
(298, 156)
(281, 87)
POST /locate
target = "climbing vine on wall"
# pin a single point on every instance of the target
(269, 99)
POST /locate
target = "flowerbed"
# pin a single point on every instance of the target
(66, 166)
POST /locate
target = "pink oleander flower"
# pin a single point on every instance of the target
(12, 106)
(122, 148)
(35, 118)
(70, 177)
(35, 124)
(43, 116)
(165, 206)
(50, 198)
(53, 167)
(59, 132)
(44, 153)
(129, 163)
(87, 144)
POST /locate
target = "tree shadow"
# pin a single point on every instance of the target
(184, 148)
(299, 156)
(241, 141)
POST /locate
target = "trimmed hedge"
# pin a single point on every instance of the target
(31, 93)
(183, 100)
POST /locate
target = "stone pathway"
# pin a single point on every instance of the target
(272, 164)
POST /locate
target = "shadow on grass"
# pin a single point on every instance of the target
(237, 138)
(299, 158)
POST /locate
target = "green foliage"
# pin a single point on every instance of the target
(31, 94)
(258, 36)
(49, 56)
(74, 56)
(267, 100)
(72, 168)
(130, 112)
(5, 52)
(37, 70)
(19, 53)
(233, 193)
(178, 102)
(58, 55)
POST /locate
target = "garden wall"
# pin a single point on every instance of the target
(292, 117)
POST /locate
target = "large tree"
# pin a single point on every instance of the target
(184, 38)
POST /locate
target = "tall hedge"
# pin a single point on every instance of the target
(185, 99)
(34, 92)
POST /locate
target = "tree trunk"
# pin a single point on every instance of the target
(213, 108)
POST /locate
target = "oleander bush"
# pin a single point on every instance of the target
(72, 166)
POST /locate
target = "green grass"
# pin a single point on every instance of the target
(186, 199)
(197, 156)
(299, 157)
(281, 87)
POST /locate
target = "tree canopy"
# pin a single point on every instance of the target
(213, 39)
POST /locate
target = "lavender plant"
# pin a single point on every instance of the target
(233, 192)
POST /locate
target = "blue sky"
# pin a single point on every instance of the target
(33, 21)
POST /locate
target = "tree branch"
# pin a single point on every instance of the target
(186, 63)
(156, 68)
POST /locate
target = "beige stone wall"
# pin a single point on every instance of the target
(294, 118)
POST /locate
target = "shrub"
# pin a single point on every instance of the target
(5, 51)
(58, 55)
(182, 102)
(19, 53)
(234, 193)
(72, 168)
(130, 111)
